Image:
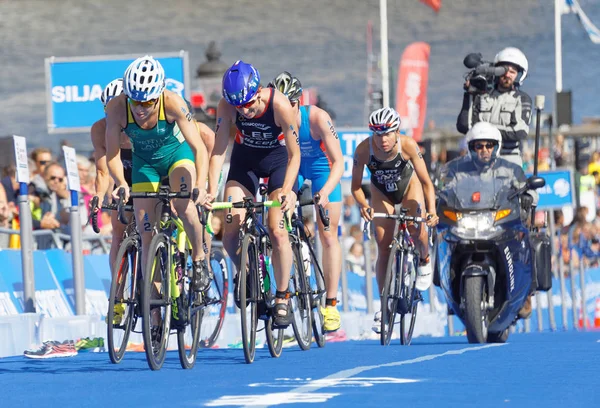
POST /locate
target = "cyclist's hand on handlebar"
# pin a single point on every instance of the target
(287, 200)
(366, 213)
(202, 196)
(432, 219)
(209, 200)
(321, 198)
(115, 193)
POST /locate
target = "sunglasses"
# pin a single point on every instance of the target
(43, 162)
(248, 104)
(146, 104)
(60, 179)
(479, 146)
(381, 128)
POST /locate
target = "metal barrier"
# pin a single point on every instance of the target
(60, 239)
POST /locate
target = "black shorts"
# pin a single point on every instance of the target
(248, 164)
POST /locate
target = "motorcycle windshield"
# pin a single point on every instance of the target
(471, 193)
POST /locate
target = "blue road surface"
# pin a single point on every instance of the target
(531, 370)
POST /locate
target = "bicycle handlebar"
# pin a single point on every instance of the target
(402, 217)
(324, 218)
(249, 203)
(94, 214)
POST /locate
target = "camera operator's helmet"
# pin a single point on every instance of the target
(484, 131)
(144, 79)
(240, 83)
(384, 120)
(512, 55)
(114, 88)
(288, 85)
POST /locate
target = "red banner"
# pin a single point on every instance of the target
(411, 89)
(434, 4)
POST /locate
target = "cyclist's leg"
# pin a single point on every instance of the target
(415, 202)
(118, 229)
(240, 183)
(282, 251)
(384, 232)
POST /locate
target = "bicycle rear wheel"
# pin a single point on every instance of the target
(412, 296)
(247, 284)
(390, 294)
(188, 336)
(300, 301)
(122, 299)
(215, 300)
(156, 306)
(318, 294)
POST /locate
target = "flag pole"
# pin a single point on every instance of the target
(385, 75)
(558, 45)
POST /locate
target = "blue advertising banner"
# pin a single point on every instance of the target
(74, 86)
(558, 191)
(349, 140)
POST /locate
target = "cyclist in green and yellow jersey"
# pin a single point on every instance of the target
(165, 144)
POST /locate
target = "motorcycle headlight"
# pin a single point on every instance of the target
(476, 226)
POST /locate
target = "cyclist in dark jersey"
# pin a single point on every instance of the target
(266, 145)
(398, 177)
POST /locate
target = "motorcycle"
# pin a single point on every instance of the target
(485, 258)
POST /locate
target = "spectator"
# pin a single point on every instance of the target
(217, 226)
(5, 218)
(51, 201)
(558, 150)
(41, 156)
(356, 259)
(351, 213)
(10, 184)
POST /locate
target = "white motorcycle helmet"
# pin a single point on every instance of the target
(144, 79)
(516, 57)
(483, 131)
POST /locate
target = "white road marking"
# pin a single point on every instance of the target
(306, 393)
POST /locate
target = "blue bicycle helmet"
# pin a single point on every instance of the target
(240, 83)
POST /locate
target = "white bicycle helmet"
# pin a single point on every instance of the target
(114, 88)
(514, 56)
(384, 120)
(484, 131)
(288, 85)
(144, 79)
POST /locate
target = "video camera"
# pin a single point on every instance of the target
(482, 74)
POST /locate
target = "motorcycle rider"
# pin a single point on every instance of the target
(506, 106)
(484, 142)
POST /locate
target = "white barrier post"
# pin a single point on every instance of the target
(75, 222)
(25, 224)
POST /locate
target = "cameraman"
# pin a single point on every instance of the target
(505, 105)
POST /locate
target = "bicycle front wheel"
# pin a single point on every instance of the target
(248, 287)
(188, 331)
(156, 307)
(301, 301)
(215, 300)
(412, 296)
(390, 294)
(122, 301)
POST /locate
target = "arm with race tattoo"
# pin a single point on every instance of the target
(330, 139)
(102, 181)
(225, 117)
(358, 167)
(178, 110)
(286, 119)
(114, 116)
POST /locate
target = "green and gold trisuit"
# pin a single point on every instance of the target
(156, 151)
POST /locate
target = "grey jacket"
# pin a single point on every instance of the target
(509, 111)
